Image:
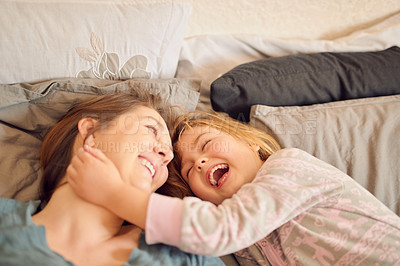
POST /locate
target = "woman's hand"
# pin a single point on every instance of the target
(93, 176)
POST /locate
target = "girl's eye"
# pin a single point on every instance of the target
(205, 144)
(153, 129)
(187, 173)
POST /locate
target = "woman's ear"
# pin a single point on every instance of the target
(85, 125)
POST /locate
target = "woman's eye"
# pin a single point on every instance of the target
(153, 129)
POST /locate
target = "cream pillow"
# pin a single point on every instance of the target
(104, 39)
(360, 137)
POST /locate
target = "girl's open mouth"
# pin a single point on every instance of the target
(218, 174)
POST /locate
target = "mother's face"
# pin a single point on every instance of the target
(139, 144)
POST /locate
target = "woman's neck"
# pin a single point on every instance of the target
(72, 222)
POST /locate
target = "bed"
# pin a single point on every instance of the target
(323, 76)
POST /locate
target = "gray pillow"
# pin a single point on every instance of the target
(360, 137)
(305, 79)
(28, 111)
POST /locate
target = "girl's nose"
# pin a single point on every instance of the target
(200, 163)
(165, 151)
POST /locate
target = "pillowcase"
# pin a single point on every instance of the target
(105, 39)
(305, 79)
(28, 111)
(360, 137)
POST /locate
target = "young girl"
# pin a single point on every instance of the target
(296, 209)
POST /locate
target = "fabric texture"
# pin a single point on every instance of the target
(103, 39)
(357, 136)
(305, 79)
(298, 210)
(160, 209)
(289, 20)
(28, 111)
(22, 242)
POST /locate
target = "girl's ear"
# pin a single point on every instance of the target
(85, 125)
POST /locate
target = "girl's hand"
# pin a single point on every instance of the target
(93, 176)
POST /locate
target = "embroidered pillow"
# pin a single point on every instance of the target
(103, 39)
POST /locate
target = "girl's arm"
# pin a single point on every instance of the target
(288, 184)
(95, 178)
(282, 189)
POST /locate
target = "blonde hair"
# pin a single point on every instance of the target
(176, 185)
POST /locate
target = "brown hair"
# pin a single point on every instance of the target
(176, 185)
(56, 150)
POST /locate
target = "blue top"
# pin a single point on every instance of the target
(24, 243)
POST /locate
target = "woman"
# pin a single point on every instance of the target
(129, 129)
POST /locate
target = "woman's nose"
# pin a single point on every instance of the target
(200, 163)
(165, 151)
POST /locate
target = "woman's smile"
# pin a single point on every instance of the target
(144, 165)
(151, 166)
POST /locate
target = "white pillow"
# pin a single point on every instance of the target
(90, 38)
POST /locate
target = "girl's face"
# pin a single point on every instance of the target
(139, 144)
(215, 164)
